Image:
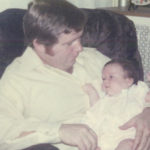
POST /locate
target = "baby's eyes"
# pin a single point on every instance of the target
(110, 77)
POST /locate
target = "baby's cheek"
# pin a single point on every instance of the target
(116, 89)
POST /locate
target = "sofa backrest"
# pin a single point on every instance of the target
(112, 34)
(11, 36)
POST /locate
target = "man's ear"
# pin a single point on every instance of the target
(38, 47)
(129, 81)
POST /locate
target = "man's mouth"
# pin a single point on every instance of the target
(107, 87)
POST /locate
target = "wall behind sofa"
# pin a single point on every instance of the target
(94, 3)
(4, 4)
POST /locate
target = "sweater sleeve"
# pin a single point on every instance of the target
(13, 122)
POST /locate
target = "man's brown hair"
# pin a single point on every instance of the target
(45, 20)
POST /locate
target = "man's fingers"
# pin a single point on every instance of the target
(82, 146)
(138, 136)
(147, 146)
(144, 140)
(129, 124)
(87, 142)
(93, 133)
(142, 125)
(92, 137)
(98, 148)
(89, 139)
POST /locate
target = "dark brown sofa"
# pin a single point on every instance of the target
(112, 34)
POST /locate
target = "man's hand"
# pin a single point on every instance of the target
(142, 124)
(78, 135)
(25, 133)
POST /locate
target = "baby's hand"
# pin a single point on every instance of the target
(92, 93)
(88, 88)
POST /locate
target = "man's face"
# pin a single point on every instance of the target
(114, 79)
(63, 54)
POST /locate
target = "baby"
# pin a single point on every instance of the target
(124, 97)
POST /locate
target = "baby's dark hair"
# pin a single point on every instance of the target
(129, 68)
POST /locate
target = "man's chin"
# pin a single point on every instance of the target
(70, 70)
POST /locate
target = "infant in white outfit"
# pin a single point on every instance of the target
(124, 97)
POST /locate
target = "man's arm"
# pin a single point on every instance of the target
(15, 126)
(142, 124)
(19, 129)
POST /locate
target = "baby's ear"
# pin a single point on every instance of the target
(129, 81)
(147, 97)
(148, 76)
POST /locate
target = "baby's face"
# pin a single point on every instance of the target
(114, 79)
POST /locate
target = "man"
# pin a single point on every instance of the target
(41, 98)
